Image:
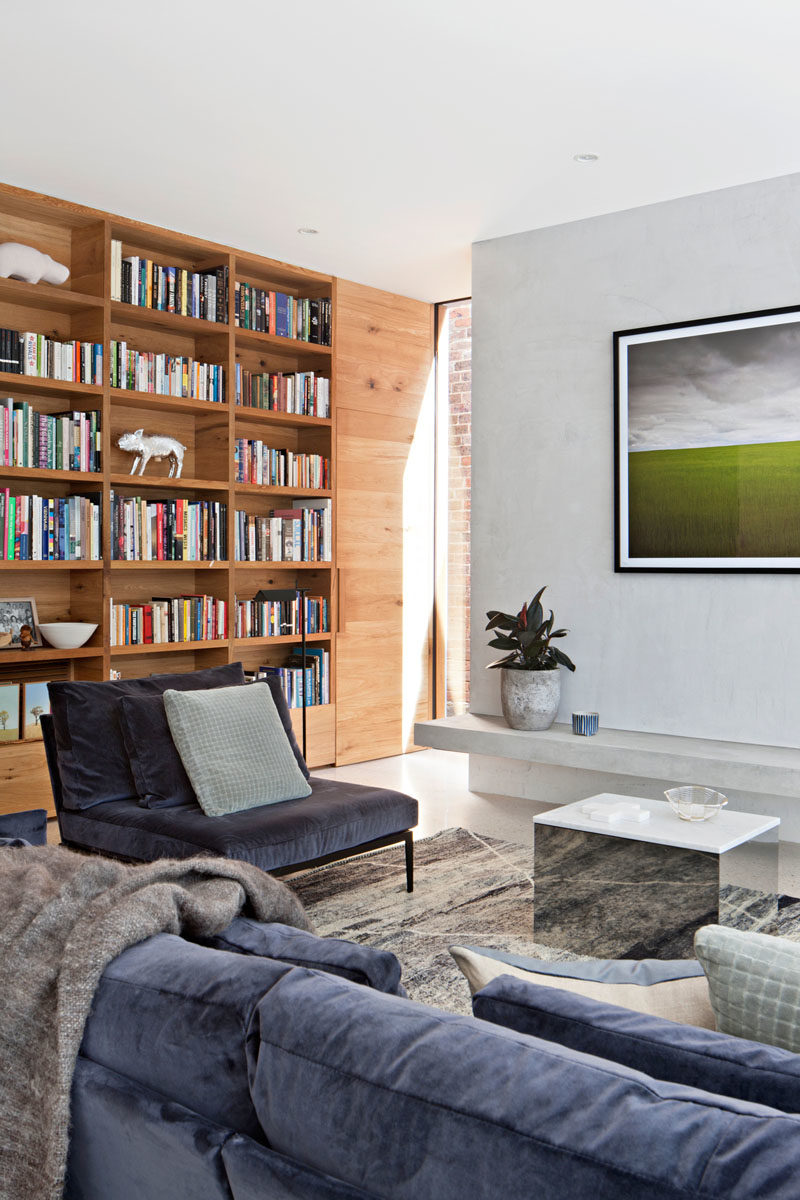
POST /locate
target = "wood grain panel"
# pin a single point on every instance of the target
(383, 358)
(24, 781)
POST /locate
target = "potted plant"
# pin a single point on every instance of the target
(530, 683)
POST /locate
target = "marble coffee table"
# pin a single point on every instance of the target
(641, 889)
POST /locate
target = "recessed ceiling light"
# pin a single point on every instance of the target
(307, 229)
(585, 158)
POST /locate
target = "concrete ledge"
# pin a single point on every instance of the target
(759, 770)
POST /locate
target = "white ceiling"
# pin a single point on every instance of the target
(402, 131)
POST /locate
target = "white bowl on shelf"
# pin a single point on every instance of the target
(696, 803)
(67, 635)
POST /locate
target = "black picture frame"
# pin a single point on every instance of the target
(703, 466)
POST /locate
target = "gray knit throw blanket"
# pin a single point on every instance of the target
(64, 916)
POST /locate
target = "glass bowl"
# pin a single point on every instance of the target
(695, 803)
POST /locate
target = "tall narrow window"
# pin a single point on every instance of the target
(453, 478)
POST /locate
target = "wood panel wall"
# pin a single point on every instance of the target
(384, 424)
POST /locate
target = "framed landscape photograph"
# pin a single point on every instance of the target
(10, 730)
(707, 454)
(35, 703)
(14, 614)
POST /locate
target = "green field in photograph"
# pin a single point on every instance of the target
(715, 502)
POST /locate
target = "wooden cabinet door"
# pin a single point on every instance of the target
(384, 522)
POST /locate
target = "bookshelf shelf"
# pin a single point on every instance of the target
(49, 654)
(187, 564)
(133, 483)
(43, 386)
(252, 338)
(46, 297)
(271, 416)
(156, 318)
(289, 639)
(283, 564)
(45, 474)
(259, 489)
(158, 403)
(52, 565)
(168, 647)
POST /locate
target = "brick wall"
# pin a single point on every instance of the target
(458, 567)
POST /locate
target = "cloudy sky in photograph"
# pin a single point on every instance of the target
(720, 389)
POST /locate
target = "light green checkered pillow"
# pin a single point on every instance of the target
(234, 748)
(753, 984)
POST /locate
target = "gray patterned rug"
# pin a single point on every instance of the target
(468, 890)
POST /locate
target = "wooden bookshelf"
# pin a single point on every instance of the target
(83, 309)
(379, 367)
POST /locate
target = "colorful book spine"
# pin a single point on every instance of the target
(186, 618)
(58, 441)
(280, 618)
(170, 530)
(303, 392)
(166, 374)
(255, 462)
(49, 528)
(147, 284)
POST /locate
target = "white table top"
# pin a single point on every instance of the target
(665, 828)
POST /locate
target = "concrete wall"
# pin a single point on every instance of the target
(703, 655)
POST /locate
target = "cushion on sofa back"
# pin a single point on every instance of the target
(173, 1016)
(92, 758)
(409, 1102)
(234, 748)
(378, 969)
(158, 770)
(685, 1054)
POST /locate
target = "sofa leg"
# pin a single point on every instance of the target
(409, 840)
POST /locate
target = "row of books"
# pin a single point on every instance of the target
(280, 618)
(67, 441)
(281, 314)
(148, 284)
(49, 528)
(174, 530)
(298, 534)
(36, 354)
(255, 462)
(303, 392)
(165, 374)
(194, 618)
(315, 675)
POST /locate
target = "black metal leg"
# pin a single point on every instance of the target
(409, 841)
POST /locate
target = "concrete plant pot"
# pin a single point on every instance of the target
(530, 699)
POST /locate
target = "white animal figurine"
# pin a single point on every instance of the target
(153, 445)
(28, 263)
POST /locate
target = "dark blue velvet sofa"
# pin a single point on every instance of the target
(117, 790)
(268, 1064)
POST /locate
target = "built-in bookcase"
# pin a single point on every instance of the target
(207, 422)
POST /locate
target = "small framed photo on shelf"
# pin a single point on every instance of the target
(35, 704)
(10, 712)
(15, 615)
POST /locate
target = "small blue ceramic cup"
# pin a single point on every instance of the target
(585, 723)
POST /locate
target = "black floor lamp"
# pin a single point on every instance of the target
(289, 594)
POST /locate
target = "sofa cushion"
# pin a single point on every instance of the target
(754, 983)
(674, 989)
(127, 1143)
(661, 1048)
(378, 969)
(31, 826)
(92, 757)
(255, 1173)
(174, 1016)
(234, 748)
(410, 1102)
(335, 817)
(159, 774)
